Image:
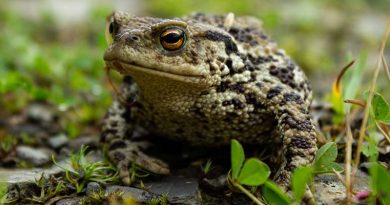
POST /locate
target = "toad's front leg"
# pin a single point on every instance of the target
(297, 131)
(121, 149)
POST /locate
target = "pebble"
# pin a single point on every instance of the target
(58, 141)
(70, 201)
(40, 113)
(93, 187)
(35, 156)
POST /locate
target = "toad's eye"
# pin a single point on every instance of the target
(111, 28)
(172, 39)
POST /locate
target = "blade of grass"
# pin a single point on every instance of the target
(336, 85)
(370, 96)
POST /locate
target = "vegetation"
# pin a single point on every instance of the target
(81, 171)
(253, 172)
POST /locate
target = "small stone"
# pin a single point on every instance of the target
(70, 201)
(215, 185)
(138, 195)
(90, 141)
(58, 141)
(179, 189)
(35, 156)
(330, 190)
(93, 187)
(40, 112)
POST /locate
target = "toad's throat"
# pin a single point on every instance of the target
(129, 68)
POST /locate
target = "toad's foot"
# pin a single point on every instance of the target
(125, 152)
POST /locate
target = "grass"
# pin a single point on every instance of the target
(82, 171)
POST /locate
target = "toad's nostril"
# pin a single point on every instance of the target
(133, 37)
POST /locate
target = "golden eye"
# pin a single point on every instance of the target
(172, 39)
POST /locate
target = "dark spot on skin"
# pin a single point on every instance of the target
(229, 63)
(250, 98)
(238, 88)
(253, 77)
(302, 125)
(227, 102)
(300, 142)
(117, 144)
(230, 116)
(237, 103)
(197, 111)
(274, 92)
(257, 60)
(285, 75)
(243, 35)
(257, 32)
(290, 167)
(105, 133)
(118, 156)
(114, 124)
(127, 80)
(206, 92)
(222, 87)
(230, 46)
(127, 115)
(292, 97)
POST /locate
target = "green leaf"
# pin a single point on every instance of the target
(387, 121)
(380, 182)
(328, 168)
(254, 173)
(301, 177)
(370, 148)
(274, 194)
(237, 158)
(325, 155)
(380, 107)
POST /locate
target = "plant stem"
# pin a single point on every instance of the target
(246, 192)
(348, 159)
(369, 99)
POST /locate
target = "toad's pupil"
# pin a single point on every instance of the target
(172, 37)
(111, 28)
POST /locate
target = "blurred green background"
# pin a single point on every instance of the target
(51, 51)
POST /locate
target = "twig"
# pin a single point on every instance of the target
(246, 192)
(382, 131)
(361, 103)
(370, 96)
(339, 177)
(384, 62)
(348, 160)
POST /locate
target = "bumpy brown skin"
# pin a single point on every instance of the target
(229, 81)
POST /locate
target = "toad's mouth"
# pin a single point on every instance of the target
(129, 68)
